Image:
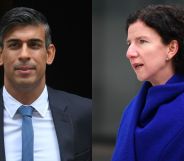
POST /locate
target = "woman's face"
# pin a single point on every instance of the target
(150, 58)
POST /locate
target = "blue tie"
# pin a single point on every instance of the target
(27, 133)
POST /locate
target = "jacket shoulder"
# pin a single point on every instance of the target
(63, 97)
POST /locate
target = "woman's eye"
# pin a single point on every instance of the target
(128, 43)
(142, 41)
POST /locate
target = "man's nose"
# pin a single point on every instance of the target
(24, 52)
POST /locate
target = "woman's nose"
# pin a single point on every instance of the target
(131, 52)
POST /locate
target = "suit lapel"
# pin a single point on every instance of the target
(2, 150)
(63, 125)
(62, 122)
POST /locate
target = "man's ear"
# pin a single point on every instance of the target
(1, 56)
(51, 50)
(173, 49)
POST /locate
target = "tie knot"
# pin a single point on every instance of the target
(25, 111)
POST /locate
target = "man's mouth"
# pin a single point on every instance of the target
(24, 69)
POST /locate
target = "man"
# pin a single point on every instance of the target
(61, 121)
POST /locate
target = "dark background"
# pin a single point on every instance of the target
(70, 22)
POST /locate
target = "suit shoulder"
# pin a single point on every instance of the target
(69, 97)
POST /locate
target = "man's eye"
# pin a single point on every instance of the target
(34, 45)
(13, 45)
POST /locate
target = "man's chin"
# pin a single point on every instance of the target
(25, 84)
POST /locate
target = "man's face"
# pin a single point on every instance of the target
(25, 56)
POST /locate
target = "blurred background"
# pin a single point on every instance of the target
(114, 82)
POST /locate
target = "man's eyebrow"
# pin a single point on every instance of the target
(39, 40)
(11, 40)
(18, 40)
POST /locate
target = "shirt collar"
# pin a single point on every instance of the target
(41, 104)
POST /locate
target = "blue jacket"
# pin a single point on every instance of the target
(152, 126)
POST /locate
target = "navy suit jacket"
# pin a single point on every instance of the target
(72, 119)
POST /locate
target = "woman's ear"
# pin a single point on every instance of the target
(51, 50)
(173, 49)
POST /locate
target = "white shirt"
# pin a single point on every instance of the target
(45, 140)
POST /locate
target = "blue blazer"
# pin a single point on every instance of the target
(72, 119)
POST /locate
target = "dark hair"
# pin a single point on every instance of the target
(23, 16)
(168, 22)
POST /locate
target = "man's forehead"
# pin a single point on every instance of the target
(25, 33)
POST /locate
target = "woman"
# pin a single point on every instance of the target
(152, 127)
